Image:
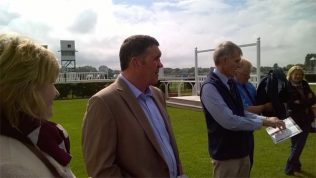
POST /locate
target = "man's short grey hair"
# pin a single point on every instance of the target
(225, 50)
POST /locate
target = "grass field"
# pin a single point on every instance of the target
(190, 130)
(313, 87)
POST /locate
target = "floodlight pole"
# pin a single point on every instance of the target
(197, 82)
(258, 61)
(196, 71)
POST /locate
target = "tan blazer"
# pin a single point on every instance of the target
(117, 138)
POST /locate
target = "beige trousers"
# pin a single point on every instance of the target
(231, 168)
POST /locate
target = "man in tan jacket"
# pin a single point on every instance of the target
(126, 128)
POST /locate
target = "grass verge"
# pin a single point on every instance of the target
(191, 135)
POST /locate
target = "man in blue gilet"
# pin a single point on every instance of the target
(229, 125)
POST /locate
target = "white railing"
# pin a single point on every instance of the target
(253, 78)
(166, 78)
(76, 77)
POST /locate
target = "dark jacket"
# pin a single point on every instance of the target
(301, 111)
(273, 88)
(225, 144)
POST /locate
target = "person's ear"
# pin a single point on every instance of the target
(224, 60)
(135, 62)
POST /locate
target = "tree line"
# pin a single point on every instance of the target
(309, 66)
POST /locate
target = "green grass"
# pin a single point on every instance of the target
(190, 130)
(69, 113)
(313, 87)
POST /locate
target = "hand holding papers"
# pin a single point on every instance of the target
(278, 135)
(274, 122)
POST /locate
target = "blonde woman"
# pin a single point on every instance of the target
(31, 146)
(300, 103)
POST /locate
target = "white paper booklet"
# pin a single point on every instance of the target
(278, 135)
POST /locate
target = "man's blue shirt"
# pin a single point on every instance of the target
(157, 123)
(248, 94)
(223, 115)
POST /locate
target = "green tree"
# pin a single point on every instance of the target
(86, 69)
(275, 65)
(309, 64)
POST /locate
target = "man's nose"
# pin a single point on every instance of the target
(160, 65)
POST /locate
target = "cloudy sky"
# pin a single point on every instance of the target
(287, 28)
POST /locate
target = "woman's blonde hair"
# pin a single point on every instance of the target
(292, 69)
(24, 68)
(245, 65)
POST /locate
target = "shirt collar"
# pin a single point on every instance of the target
(221, 76)
(136, 92)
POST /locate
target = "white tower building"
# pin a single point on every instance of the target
(68, 55)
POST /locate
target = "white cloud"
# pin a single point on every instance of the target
(85, 22)
(287, 28)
